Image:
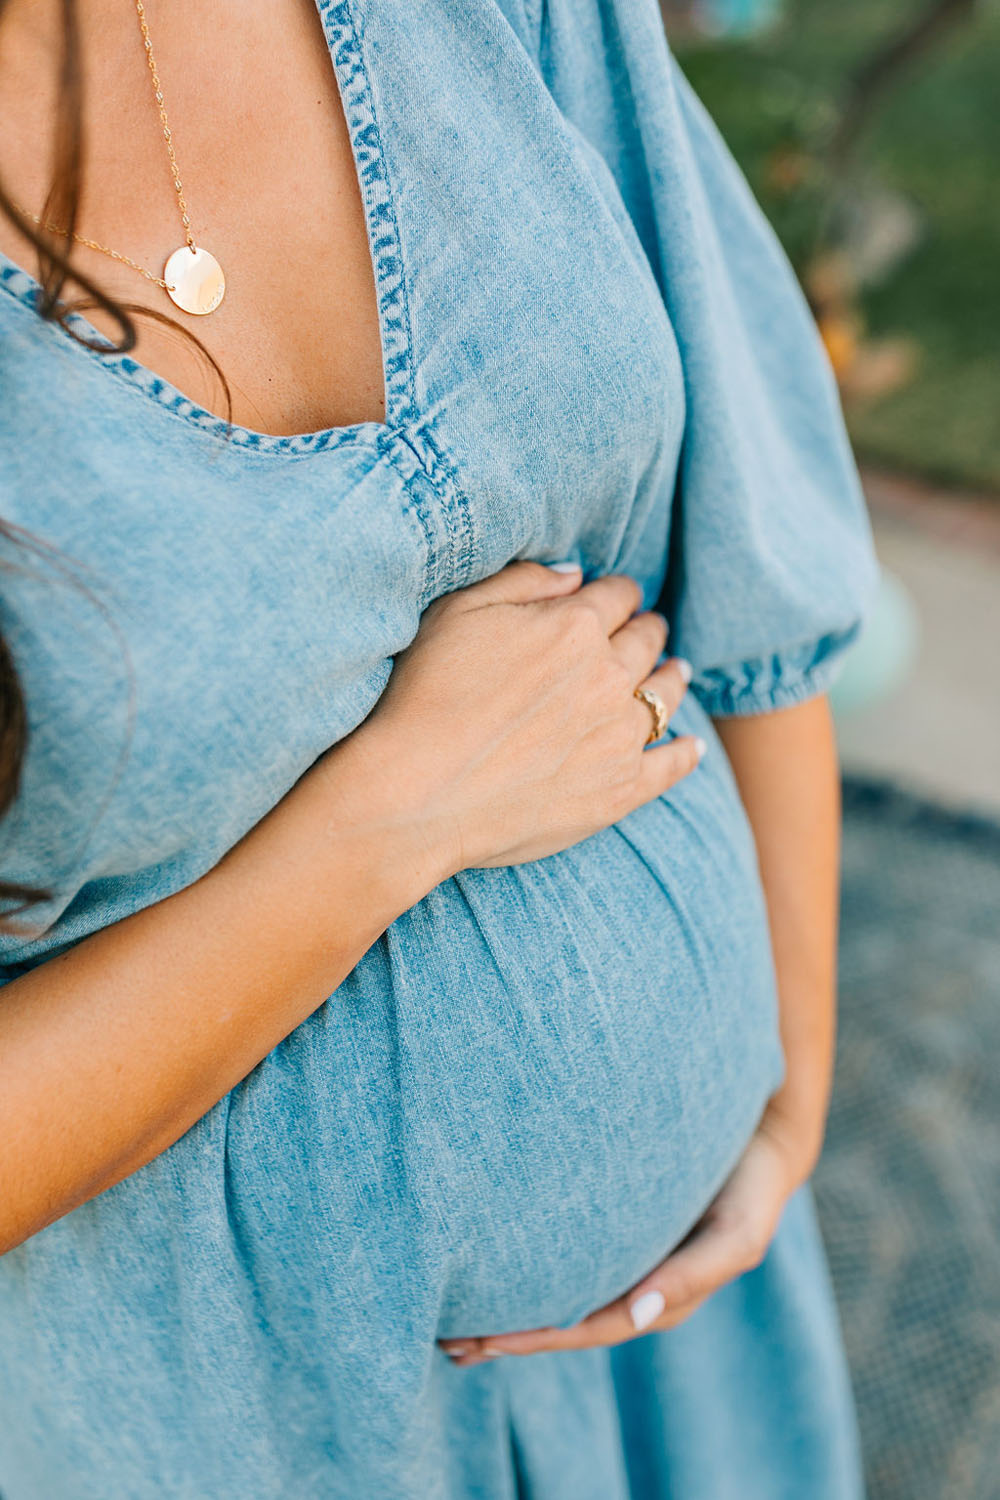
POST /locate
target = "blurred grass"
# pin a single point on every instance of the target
(935, 138)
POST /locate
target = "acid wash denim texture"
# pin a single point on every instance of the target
(533, 1083)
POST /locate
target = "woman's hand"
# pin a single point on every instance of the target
(731, 1237)
(509, 728)
(785, 765)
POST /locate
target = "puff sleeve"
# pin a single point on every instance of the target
(772, 567)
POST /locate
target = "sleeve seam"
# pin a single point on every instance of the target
(732, 702)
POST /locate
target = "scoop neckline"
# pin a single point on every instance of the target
(352, 81)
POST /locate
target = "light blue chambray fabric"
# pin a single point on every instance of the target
(531, 1085)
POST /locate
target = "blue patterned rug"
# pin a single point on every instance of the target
(908, 1186)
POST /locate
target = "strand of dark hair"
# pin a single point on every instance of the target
(56, 269)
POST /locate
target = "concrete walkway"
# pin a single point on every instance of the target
(938, 733)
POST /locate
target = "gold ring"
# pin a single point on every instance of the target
(658, 709)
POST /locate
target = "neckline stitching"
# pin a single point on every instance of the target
(382, 228)
(382, 225)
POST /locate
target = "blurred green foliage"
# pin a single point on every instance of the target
(935, 138)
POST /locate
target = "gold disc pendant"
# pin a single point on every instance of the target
(194, 280)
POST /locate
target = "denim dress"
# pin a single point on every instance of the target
(533, 1083)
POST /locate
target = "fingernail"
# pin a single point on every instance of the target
(684, 668)
(490, 1352)
(455, 1351)
(646, 1309)
(564, 567)
(700, 747)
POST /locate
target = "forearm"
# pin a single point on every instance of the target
(111, 1051)
(785, 765)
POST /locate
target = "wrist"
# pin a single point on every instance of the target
(372, 810)
(798, 1125)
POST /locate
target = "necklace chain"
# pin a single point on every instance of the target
(93, 245)
(174, 172)
(167, 133)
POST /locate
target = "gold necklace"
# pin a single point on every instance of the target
(192, 277)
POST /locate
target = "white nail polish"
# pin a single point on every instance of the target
(700, 747)
(685, 669)
(564, 567)
(457, 1351)
(646, 1309)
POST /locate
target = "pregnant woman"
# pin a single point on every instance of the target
(414, 1049)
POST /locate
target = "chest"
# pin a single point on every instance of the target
(269, 182)
(262, 583)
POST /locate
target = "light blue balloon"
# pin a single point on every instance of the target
(737, 17)
(884, 655)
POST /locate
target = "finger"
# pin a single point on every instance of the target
(639, 643)
(606, 1326)
(614, 598)
(522, 581)
(670, 1293)
(687, 1276)
(530, 1341)
(663, 766)
(669, 683)
(671, 680)
(641, 1310)
(712, 1256)
(469, 1360)
(612, 1324)
(730, 1239)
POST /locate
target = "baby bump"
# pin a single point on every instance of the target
(516, 1104)
(538, 1077)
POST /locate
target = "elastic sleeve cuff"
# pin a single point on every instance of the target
(778, 681)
